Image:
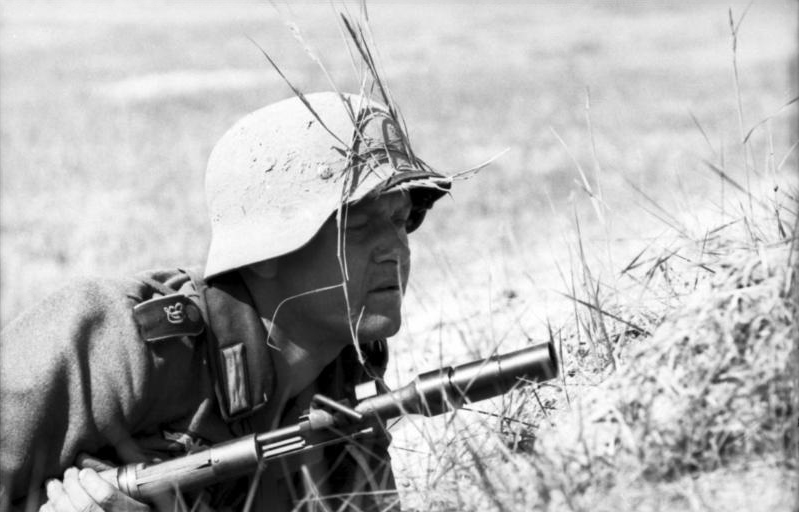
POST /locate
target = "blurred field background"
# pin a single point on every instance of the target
(109, 111)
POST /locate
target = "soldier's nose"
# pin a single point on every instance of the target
(390, 255)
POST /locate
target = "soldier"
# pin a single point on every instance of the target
(311, 201)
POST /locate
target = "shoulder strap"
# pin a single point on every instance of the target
(168, 314)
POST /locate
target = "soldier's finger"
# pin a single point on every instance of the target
(47, 508)
(77, 494)
(106, 495)
(84, 460)
(103, 493)
(57, 496)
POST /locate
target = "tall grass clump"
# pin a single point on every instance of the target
(713, 388)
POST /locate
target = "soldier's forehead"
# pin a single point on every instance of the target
(395, 199)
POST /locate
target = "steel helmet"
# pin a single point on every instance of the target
(280, 172)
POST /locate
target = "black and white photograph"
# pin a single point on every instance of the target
(384, 256)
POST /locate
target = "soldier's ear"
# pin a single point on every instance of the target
(266, 269)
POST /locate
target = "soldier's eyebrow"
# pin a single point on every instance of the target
(397, 199)
(390, 204)
(403, 203)
(360, 213)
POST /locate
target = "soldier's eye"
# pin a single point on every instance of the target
(401, 219)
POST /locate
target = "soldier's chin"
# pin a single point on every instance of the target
(378, 326)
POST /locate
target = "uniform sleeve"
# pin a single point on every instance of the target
(73, 378)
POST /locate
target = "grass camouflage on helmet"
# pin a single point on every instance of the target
(279, 173)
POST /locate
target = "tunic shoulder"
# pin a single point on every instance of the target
(77, 376)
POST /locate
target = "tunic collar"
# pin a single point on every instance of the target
(238, 353)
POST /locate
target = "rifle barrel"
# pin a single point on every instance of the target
(431, 393)
(446, 389)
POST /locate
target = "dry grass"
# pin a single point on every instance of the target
(714, 387)
(680, 390)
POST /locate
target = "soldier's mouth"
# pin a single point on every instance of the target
(386, 288)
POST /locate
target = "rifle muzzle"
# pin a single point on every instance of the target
(446, 389)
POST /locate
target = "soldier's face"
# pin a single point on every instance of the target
(373, 245)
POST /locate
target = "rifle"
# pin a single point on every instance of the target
(329, 422)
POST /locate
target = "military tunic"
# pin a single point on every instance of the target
(156, 366)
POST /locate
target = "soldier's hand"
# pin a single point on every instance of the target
(84, 491)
